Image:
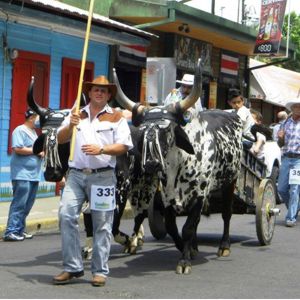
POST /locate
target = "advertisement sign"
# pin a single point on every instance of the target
(271, 20)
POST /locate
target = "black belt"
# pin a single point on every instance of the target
(292, 155)
(91, 171)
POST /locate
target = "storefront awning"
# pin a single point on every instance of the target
(273, 84)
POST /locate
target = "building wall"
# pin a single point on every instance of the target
(44, 41)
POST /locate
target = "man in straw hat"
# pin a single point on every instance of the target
(186, 84)
(289, 176)
(101, 134)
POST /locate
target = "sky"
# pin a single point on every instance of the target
(229, 8)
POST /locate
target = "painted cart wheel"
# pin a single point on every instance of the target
(156, 218)
(265, 212)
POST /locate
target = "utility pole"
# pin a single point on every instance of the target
(243, 12)
(213, 4)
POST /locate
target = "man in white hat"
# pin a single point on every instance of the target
(289, 176)
(184, 90)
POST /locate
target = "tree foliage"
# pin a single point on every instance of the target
(294, 38)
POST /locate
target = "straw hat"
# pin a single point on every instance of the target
(99, 81)
(187, 79)
(291, 102)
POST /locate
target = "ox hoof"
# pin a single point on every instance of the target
(140, 242)
(184, 268)
(121, 238)
(133, 250)
(223, 252)
(126, 249)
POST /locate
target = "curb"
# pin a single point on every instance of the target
(48, 224)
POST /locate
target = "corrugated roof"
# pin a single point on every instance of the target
(75, 11)
(279, 85)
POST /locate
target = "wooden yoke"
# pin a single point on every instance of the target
(86, 42)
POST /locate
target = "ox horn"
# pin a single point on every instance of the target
(121, 98)
(191, 99)
(32, 103)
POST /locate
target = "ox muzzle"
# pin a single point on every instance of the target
(152, 157)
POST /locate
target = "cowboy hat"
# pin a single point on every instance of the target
(187, 79)
(291, 102)
(99, 81)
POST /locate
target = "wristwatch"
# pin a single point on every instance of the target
(101, 151)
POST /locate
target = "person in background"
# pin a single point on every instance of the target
(289, 174)
(102, 133)
(236, 101)
(186, 85)
(257, 116)
(261, 134)
(281, 116)
(25, 175)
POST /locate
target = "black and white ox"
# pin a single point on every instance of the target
(190, 163)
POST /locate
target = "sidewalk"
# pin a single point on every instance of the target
(43, 215)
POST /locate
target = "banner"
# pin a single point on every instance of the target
(132, 54)
(271, 20)
(229, 64)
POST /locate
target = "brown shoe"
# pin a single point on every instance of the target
(64, 277)
(98, 280)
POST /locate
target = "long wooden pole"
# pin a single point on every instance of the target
(86, 42)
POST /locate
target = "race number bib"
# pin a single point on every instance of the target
(103, 197)
(294, 176)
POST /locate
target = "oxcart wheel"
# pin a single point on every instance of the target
(265, 212)
(156, 218)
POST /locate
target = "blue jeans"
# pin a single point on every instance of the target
(289, 192)
(24, 193)
(76, 191)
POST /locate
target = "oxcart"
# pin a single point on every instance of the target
(255, 194)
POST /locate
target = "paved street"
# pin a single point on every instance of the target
(252, 271)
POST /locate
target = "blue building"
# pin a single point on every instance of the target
(45, 39)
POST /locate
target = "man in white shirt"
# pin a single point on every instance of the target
(102, 133)
(183, 91)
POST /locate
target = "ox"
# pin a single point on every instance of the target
(190, 163)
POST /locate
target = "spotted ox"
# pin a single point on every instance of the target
(191, 164)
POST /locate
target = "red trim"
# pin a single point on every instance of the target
(136, 47)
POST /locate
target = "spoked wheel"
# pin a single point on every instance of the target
(274, 177)
(266, 212)
(156, 217)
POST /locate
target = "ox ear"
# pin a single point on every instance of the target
(182, 140)
(38, 145)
